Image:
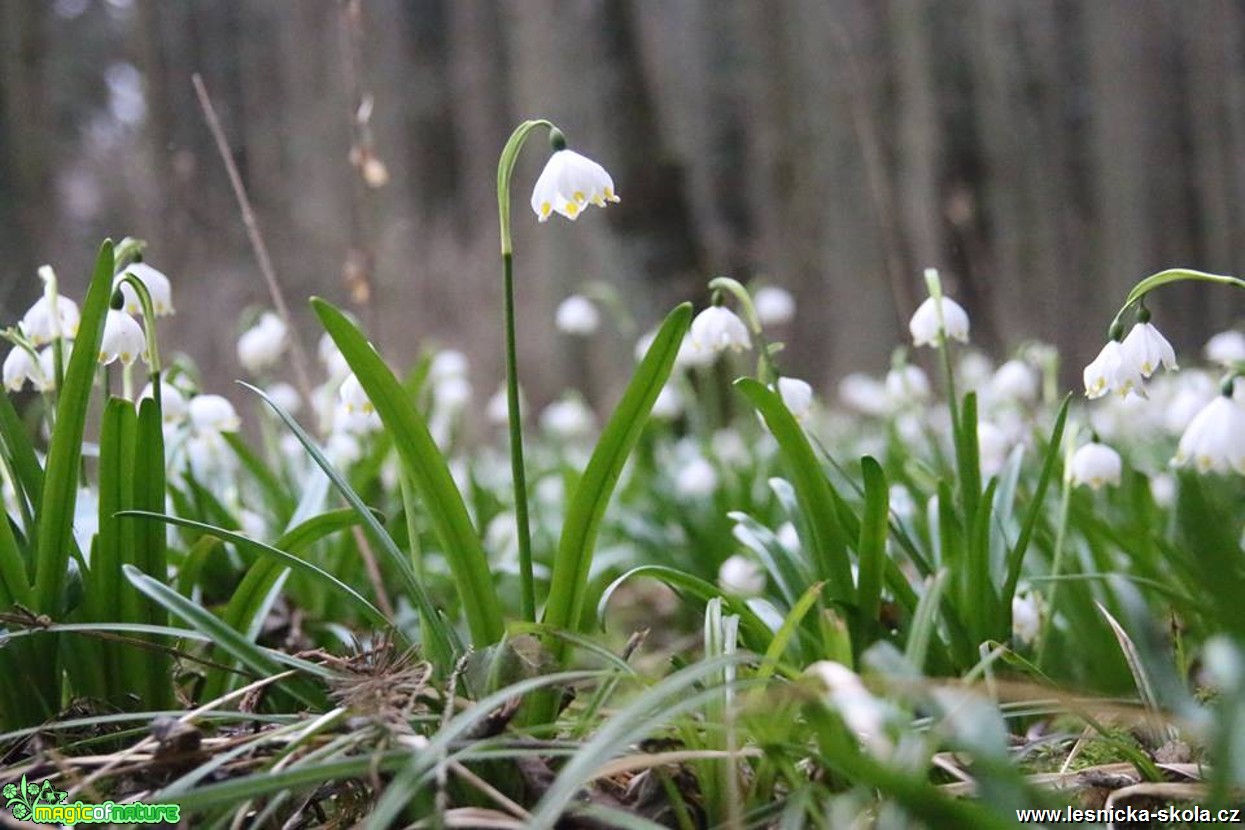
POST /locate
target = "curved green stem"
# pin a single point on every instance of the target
(505, 168)
(1171, 275)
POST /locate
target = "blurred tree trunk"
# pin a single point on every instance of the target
(27, 213)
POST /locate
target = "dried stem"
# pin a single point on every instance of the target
(257, 240)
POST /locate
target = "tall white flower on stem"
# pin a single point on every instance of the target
(1215, 438)
(20, 366)
(1145, 348)
(925, 326)
(158, 286)
(1095, 464)
(123, 339)
(1112, 371)
(569, 183)
(717, 329)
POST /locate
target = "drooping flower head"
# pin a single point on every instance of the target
(924, 325)
(797, 395)
(123, 339)
(158, 286)
(577, 315)
(1095, 464)
(775, 306)
(41, 326)
(717, 329)
(569, 183)
(1215, 438)
(1111, 371)
(261, 346)
(1146, 348)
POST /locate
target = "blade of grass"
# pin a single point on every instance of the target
(813, 490)
(871, 548)
(1016, 559)
(573, 560)
(438, 639)
(429, 471)
(248, 654)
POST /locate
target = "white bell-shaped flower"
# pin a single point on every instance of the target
(1015, 381)
(717, 329)
(446, 364)
(577, 315)
(774, 306)
(158, 286)
(1095, 464)
(41, 326)
(1110, 371)
(741, 575)
(174, 407)
(924, 323)
(797, 395)
(213, 413)
(1027, 608)
(907, 385)
(1215, 438)
(567, 419)
(20, 367)
(123, 339)
(569, 183)
(1145, 348)
(261, 346)
(668, 405)
(696, 478)
(285, 396)
(1226, 347)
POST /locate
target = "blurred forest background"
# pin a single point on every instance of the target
(1044, 153)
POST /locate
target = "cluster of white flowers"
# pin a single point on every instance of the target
(261, 346)
(1122, 366)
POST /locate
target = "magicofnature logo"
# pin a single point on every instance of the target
(44, 804)
(21, 799)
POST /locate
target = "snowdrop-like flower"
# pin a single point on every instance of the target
(865, 394)
(173, 405)
(577, 315)
(740, 575)
(992, 448)
(569, 183)
(448, 363)
(41, 326)
(863, 713)
(261, 346)
(669, 404)
(1015, 381)
(334, 361)
(213, 414)
(452, 394)
(20, 367)
(717, 329)
(797, 395)
(285, 396)
(1095, 464)
(907, 384)
(696, 478)
(123, 339)
(1145, 349)
(353, 398)
(1112, 371)
(158, 287)
(1226, 347)
(342, 448)
(924, 323)
(567, 418)
(1215, 438)
(774, 306)
(1026, 616)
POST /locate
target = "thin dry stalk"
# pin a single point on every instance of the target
(301, 375)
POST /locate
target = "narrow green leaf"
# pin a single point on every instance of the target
(302, 536)
(817, 500)
(438, 636)
(573, 561)
(756, 633)
(60, 484)
(248, 654)
(1016, 559)
(789, 626)
(872, 545)
(428, 470)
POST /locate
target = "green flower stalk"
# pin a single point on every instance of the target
(569, 183)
